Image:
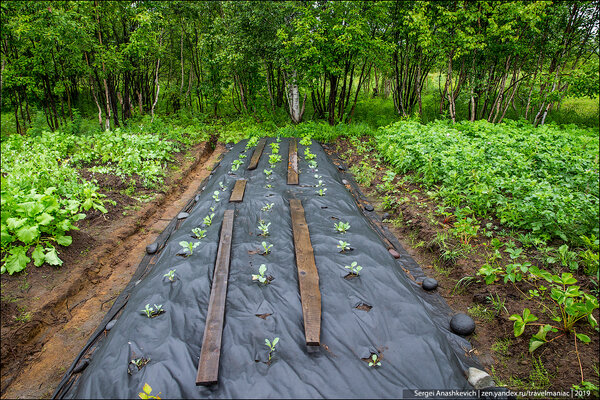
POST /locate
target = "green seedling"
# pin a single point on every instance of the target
(188, 247)
(267, 207)
(274, 159)
(375, 361)
(242, 156)
(354, 268)
(170, 275)
(268, 172)
(152, 312)
(306, 141)
(199, 233)
(208, 219)
(261, 275)
(139, 362)
(252, 142)
(271, 346)
(313, 164)
(278, 139)
(268, 186)
(317, 176)
(222, 186)
(320, 183)
(322, 191)
(264, 228)
(216, 195)
(343, 246)
(236, 165)
(274, 148)
(146, 393)
(342, 227)
(308, 155)
(267, 247)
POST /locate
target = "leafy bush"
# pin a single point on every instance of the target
(543, 179)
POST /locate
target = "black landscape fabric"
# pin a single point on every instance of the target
(406, 327)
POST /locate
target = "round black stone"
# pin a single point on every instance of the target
(81, 366)
(462, 324)
(429, 284)
(110, 325)
(369, 207)
(182, 215)
(151, 248)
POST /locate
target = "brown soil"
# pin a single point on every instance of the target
(49, 313)
(414, 221)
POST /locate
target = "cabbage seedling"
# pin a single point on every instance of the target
(342, 227)
(216, 195)
(236, 165)
(322, 191)
(313, 164)
(267, 247)
(354, 268)
(199, 233)
(320, 183)
(264, 228)
(274, 159)
(267, 207)
(188, 247)
(274, 148)
(343, 246)
(268, 172)
(261, 275)
(271, 346)
(306, 141)
(208, 219)
(170, 275)
(222, 186)
(152, 312)
(308, 155)
(375, 361)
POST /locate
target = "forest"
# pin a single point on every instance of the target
(116, 60)
(470, 129)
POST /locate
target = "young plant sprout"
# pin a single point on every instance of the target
(274, 159)
(375, 361)
(268, 172)
(242, 156)
(342, 227)
(252, 142)
(343, 246)
(313, 164)
(274, 148)
(354, 268)
(188, 247)
(271, 346)
(322, 191)
(216, 195)
(308, 155)
(306, 141)
(170, 275)
(152, 312)
(317, 176)
(208, 219)
(147, 393)
(261, 275)
(267, 247)
(264, 228)
(222, 186)
(199, 233)
(236, 165)
(268, 186)
(267, 207)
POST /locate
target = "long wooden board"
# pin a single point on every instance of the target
(237, 194)
(308, 276)
(208, 367)
(292, 177)
(257, 153)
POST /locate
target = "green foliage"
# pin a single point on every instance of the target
(364, 173)
(199, 233)
(271, 346)
(550, 189)
(146, 393)
(354, 268)
(261, 275)
(152, 312)
(341, 227)
(188, 247)
(263, 227)
(170, 275)
(343, 246)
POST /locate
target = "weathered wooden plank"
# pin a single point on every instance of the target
(208, 367)
(257, 153)
(237, 194)
(308, 276)
(292, 177)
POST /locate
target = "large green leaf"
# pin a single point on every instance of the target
(44, 218)
(38, 256)
(17, 260)
(28, 234)
(52, 256)
(64, 240)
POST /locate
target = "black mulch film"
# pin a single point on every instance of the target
(406, 327)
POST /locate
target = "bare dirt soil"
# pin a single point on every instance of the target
(412, 218)
(49, 313)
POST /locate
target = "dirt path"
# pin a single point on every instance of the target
(86, 296)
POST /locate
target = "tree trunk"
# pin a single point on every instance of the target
(293, 98)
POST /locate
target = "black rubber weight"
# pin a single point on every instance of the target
(405, 326)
